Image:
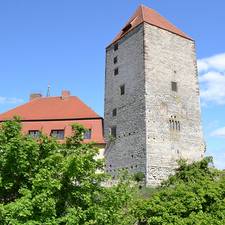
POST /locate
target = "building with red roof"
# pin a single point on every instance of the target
(54, 116)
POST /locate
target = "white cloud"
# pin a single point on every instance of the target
(220, 132)
(212, 79)
(5, 100)
(213, 87)
(216, 63)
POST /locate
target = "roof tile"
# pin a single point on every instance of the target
(51, 108)
(150, 16)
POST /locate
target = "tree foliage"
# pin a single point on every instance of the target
(44, 182)
(194, 195)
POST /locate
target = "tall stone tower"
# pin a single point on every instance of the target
(152, 107)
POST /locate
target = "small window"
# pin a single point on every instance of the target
(115, 60)
(126, 28)
(58, 134)
(114, 112)
(87, 134)
(113, 131)
(174, 86)
(178, 126)
(116, 71)
(34, 133)
(122, 89)
(116, 47)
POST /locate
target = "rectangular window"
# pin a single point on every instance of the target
(115, 60)
(58, 134)
(114, 112)
(116, 47)
(116, 71)
(34, 133)
(174, 86)
(122, 89)
(113, 131)
(87, 134)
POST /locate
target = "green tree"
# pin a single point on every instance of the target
(44, 182)
(194, 195)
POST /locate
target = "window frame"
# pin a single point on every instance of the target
(115, 60)
(113, 131)
(34, 133)
(122, 89)
(115, 46)
(58, 136)
(114, 112)
(116, 71)
(174, 86)
(87, 134)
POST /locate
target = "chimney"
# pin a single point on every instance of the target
(65, 94)
(35, 96)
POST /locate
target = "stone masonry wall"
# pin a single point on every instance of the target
(169, 57)
(149, 59)
(128, 150)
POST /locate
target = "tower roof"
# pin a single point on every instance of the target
(150, 16)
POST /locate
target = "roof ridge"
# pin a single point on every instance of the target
(142, 11)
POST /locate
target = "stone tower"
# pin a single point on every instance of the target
(152, 107)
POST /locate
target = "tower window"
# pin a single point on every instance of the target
(114, 112)
(116, 47)
(58, 134)
(113, 131)
(174, 86)
(122, 89)
(87, 134)
(174, 124)
(115, 60)
(34, 133)
(178, 126)
(116, 71)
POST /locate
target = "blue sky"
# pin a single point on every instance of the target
(63, 43)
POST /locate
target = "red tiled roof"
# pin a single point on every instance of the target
(145, 14)
(55, 113)
(51, 108)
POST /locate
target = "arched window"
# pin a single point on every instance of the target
(171, 127)
(178, 126)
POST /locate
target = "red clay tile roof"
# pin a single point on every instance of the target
(52, 108)
(54, 113)
(145, 14)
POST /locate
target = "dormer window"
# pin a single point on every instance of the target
(126, 28)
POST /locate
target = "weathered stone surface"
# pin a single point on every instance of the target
(149, 59)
